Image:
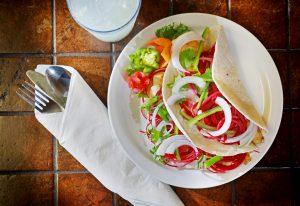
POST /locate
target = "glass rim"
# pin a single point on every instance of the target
(105, 31)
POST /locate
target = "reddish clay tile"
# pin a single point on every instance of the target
(216, 196)
(95, 71)
(265, 19)
(296, 138)
(279, 153)
(295, 23)
(147, 16)
(82, 189)
(264, 188)
(12, 75)
(26, 26)
(26, 190)
(65, 161)
(122, 202)
(216, 7)
(295, 78)
(281, 61)
(25, 144)
(70, 37)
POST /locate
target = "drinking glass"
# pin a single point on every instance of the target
(107, 20)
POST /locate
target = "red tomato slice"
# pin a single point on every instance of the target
(138, 82)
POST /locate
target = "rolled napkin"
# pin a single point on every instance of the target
(83, 129)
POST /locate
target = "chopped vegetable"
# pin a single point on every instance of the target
(200, 48)
(145, 59)
(177, 154)
(149, 102)
(163, 113)
(212, 161)
(186, 58)
(172, 31)
(203, 115)
(138, 82)
(203, 96)
(207, 76)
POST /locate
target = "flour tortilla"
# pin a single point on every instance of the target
(226, 77)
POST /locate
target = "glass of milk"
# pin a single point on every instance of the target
(108, 20)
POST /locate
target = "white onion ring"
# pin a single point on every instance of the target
(165, 124)
(164, 145)
(153, 122)
(174, 145)
(251, 135)
(187, 80)
(186, 94)
(178, 44)
(227, 114)
(249, 130)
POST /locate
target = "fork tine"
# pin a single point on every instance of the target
(32, 104)
(39, 92)
(40, 100)
(32, 99)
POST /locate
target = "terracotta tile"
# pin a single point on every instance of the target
(220, 195)
(295, 79)
(24, 144)
(295, 23)
(296, 186)
(296, 138)
(122, 202)
(279, 153)
(70, 37)
(147, 16)
(216, 7)
(26, 26)
(82, 189)
(281, 61)
(264, 188)
(95, 70)
(12, 75)
(65, 161)
(265, 19)
(26, 190)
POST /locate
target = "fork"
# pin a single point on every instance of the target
(37, 99)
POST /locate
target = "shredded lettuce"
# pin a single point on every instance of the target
(172, 31)
(149, 102)
(186, 58)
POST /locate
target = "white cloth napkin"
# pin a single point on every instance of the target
(83, 129)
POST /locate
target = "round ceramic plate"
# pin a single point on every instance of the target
(258, 73)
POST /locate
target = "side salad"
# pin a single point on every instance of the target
(201, 103)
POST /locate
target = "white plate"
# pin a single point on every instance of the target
(258, 72)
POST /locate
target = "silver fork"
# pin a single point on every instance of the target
(37, 99)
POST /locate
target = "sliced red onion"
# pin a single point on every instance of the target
(187, 80)
(153, 122)
(174, 145)
(161, 150)
(227, 114)
(165, 124)
(178, 44)
(182, 95)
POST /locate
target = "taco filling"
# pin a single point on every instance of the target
(189, 121)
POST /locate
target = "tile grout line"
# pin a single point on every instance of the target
(289, 23)
(171, 7)
(54, 145)
(229, 9)
(41, 172)
(233, 194)
(58, 54)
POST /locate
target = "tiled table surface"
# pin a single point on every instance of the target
(35, 170)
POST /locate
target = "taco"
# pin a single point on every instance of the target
(206, 98)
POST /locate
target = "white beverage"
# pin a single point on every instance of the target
(108, 20)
